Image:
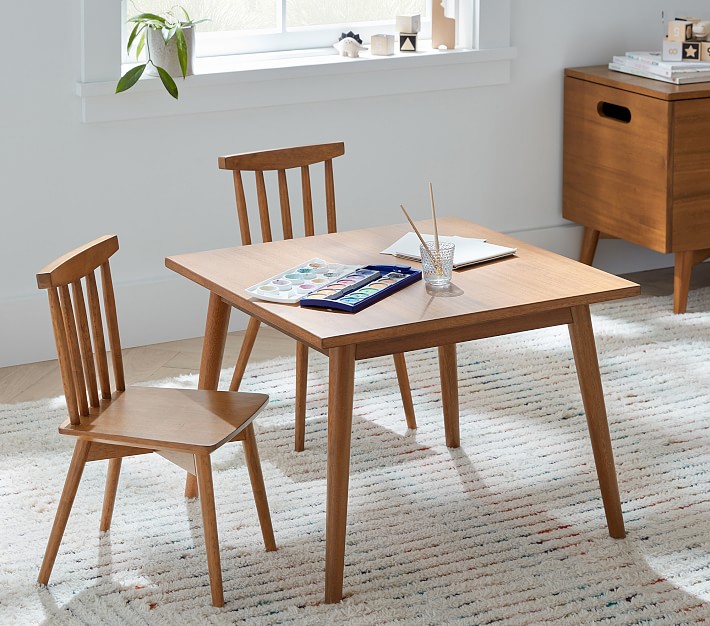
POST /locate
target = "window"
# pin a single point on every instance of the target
(250, 26)
(241, 81)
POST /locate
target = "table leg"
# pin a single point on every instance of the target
(585, 358)
(448, 372)
(340, 417)
(218, 313)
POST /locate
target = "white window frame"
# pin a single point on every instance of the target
(483, 57)
(278, 39)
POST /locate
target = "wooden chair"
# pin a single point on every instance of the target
(184, 426)
(279, 161)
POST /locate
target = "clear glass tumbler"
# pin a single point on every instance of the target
(437, 266)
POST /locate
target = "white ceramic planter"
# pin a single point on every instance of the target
(166, 56)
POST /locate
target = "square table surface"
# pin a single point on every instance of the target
(534, 280)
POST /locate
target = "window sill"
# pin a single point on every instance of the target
(240, 82)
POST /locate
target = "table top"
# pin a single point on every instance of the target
(531, 282)
(602, 75)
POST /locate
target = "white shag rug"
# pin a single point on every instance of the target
(508, 529)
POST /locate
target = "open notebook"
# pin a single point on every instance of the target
(467, 251)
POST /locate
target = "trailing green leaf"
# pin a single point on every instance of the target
(181, 50)
(147, 17)
(134, 33)
(141, 44)
(130, 78)
(169, 33)
(168, 82)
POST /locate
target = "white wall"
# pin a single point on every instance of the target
(493, 154)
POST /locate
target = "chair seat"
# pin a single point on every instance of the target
(181, 419)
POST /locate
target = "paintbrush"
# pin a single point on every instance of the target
(434, 259)
(433, 217)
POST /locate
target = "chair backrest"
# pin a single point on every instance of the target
(280, 161)
(79, 356)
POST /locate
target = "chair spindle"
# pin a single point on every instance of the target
(114, 341)
(74, 354)
(97, 331)
(87, 351)
(60, 338)
(263, 207)
(330, 196)
(285, 206)
(307, 201)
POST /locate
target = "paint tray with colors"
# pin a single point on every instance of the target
(362, 287)
(290, 286)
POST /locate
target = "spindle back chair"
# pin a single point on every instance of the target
(280, 161)
(183, 425)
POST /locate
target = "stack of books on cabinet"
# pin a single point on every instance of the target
(652, 65)
(684, 57)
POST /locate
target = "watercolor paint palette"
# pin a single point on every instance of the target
(290, 286)
(362, 288)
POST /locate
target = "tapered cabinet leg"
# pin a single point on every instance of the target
(405, 390)
(209, 520)
(590, 239)
(301, 391)
(218, 313)
(112, 476)
(76, 469)
(244, 353)
(251, 453)
(448, 371)
(585, 358)
(681, 280)
(340, 418)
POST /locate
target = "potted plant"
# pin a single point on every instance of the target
(168, 40)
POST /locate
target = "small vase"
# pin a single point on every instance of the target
(166, 56)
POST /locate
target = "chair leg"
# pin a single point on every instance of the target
(191, 486)
(400, 366)
(76, 468)
(251, 453)
(244, 353)
(112, 476)
(209, 521)
(301, 389)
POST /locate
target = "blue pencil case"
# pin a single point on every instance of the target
(362, 288)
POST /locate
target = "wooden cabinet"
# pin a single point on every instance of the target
(636, 165)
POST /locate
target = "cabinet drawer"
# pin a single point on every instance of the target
(616, 163)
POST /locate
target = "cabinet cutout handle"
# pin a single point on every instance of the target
(614, 112)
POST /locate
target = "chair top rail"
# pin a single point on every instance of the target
(283, 158)
(77, 263)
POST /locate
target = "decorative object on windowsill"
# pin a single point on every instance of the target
(408, 27)
(407, 42)
(382, 45)
(411, 23)
(443, 24)
(169, 44)
(349, 45)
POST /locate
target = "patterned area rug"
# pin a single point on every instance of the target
(507, 529)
